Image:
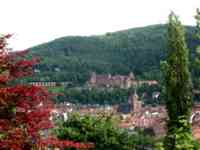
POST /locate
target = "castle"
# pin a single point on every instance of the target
(120, 81)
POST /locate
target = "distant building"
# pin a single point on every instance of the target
(134, 105)
(120, 81)
(48, 83)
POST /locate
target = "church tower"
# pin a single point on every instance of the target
(135, 103)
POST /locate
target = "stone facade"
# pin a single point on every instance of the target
(120, 81)
(135, 103)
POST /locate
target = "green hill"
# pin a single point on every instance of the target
(137, 50)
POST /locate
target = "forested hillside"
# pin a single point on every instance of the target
(137, 50)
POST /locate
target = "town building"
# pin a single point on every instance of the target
(48, 83)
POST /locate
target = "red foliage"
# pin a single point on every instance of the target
(24, 110)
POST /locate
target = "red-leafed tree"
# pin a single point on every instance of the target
(24, 109)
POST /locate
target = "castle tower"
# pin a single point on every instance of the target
(129, 81)
(131, 76)
(93, 78)
(109, 76)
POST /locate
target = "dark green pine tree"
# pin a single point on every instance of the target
(178, 88)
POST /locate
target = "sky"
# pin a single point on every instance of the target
(34, 22)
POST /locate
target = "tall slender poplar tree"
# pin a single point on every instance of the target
(178, 88)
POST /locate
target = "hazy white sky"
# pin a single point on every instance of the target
(37, 21)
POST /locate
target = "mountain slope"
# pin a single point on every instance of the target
(137, 50)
